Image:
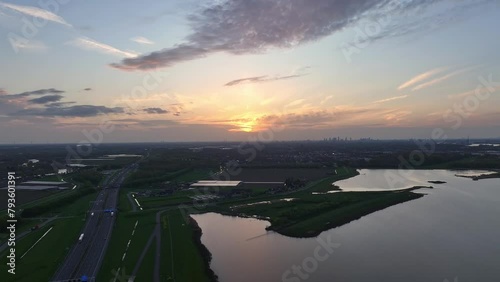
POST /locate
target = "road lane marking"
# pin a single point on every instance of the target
(139, 205)
(116, 276)
(45, 234)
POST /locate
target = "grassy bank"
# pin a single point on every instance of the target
(310, 211)
(482, 176)
(122, 233)
(312, 223)
(185, 258)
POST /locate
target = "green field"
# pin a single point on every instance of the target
(146, 270)
(122, 233)
(187, 264)
(180, 197)
(309, 216)
(195, 175)
(181, 258)
(43, 260)
(304, 214)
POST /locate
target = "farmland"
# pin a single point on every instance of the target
(26, 196)
(280, 174)
(52, 248)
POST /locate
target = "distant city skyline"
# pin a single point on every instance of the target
(238, 70)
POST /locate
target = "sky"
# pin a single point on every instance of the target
(235, 70)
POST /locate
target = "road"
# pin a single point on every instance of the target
(85, 257)
(25, 233)
(155, 235)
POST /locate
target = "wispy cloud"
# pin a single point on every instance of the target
(26, 45)
(90, 44)
(468, 93)
(142, 40)
(36, 12)
(421, 77)
(36, 92)
(317, 119)
(248, 27)
(295, 103)
(260, 79)
(443, 78)
(267, 101)
(326, 99)
(390, 99)
(141, 124)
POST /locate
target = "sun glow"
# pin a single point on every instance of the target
(245, 126)
(247, 123)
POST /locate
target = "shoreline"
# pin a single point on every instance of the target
(345, 215)
(204, 252)
(479, 177)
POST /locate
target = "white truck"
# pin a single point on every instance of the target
(80, 239)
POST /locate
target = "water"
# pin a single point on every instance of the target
(122, 156)
(452, 232)
(390, 179)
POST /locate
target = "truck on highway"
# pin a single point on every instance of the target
(80, 239)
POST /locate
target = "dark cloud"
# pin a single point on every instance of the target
(156, 111)
(72, 111)
(260, 79)
(52, 95)
(46, 99)
(254, 26)
(164, 58)
(60, 104)
(37, 93)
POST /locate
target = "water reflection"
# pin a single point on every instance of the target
(451, 232)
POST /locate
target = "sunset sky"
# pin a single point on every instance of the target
(218, 70)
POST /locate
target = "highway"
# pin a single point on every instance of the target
(85, 257)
